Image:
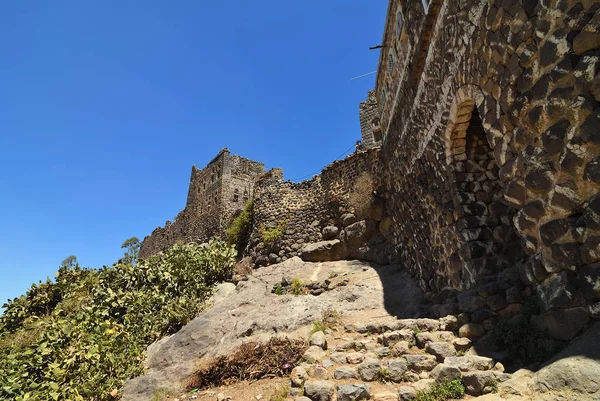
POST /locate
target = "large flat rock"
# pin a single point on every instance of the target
(251, 312)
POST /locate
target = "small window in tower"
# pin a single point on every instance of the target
(391, 62)
(236, 195)
(212, 178)
(399, 22)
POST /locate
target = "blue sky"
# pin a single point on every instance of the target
(106, 105)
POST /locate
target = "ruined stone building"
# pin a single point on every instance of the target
(216, 193)
(481, 148)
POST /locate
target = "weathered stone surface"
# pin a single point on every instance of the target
(355, 357)
(338, 357)
(420, 363)
(345, 372)
(443, 372)
(319, 390)
(314, 354)
(589, 281)
(319, 340)
(562, 324)
(476, 382)
(358, 233)
(472, 331)
(406, 393)
(470, 362)
(577, 368)
(396, 369)
(369, 369)
(353, 392)
(324, 251)
(298, 376)
(330, 232)
(400, 348)
(461, 344)
(318, 372)
(440, 350)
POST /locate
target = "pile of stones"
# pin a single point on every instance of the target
(392, 361)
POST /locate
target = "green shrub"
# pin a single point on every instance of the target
(271, 236)
(442, 391)
(297, 286)
(238, 232)
(81, 336)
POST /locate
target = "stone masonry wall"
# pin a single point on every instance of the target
(491, 119)
(307, 207)
(370, 126)
(216, 193)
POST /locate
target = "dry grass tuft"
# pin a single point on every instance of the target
(251, 361)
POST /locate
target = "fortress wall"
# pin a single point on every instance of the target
(306, 207)
(491, 119)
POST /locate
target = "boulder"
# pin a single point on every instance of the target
(440, 350)
(443, 372)
(353, 392)
(324, 251)
(461, 344)
(470, 362)
(400, 348)
(319, 390)
(318, 339)
(387, 396)
(396, 369)
(420, 363)
(472, 331)
(369, 369)
(359, 233)
(406, 393)
(355, 357)
(298, 376)
(348, 219)
(330, 232)
(338, 357)
(313, 354)
(476, 382)
(345, 372)
(576, 368)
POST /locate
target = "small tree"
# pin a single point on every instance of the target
(69, 262)
(132, 249)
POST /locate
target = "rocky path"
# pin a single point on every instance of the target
(368, 351)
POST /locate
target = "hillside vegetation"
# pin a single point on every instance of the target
(82, 335)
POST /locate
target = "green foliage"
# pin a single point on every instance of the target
(442, 391)
(417, 330)
(385, 376)
(132, 249)
(297, 286)
(81, 336)
(278, 290)
(524, 343)
(70, 261)
(318, 326)
(238, 232)
(271, 236)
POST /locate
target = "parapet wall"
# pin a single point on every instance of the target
(307, 207)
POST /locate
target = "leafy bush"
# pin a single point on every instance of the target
(238, 232)
(442, 391)
(297, 286)
(81, 336)
(270, 236)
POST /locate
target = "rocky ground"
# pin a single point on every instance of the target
(374, 346)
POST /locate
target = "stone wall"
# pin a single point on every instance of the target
(216, 193)
(370, 126)
(492, 152)
(314, 210)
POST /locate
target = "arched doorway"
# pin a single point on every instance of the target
(488, 242)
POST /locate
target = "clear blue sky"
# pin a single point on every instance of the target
(106, 105)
